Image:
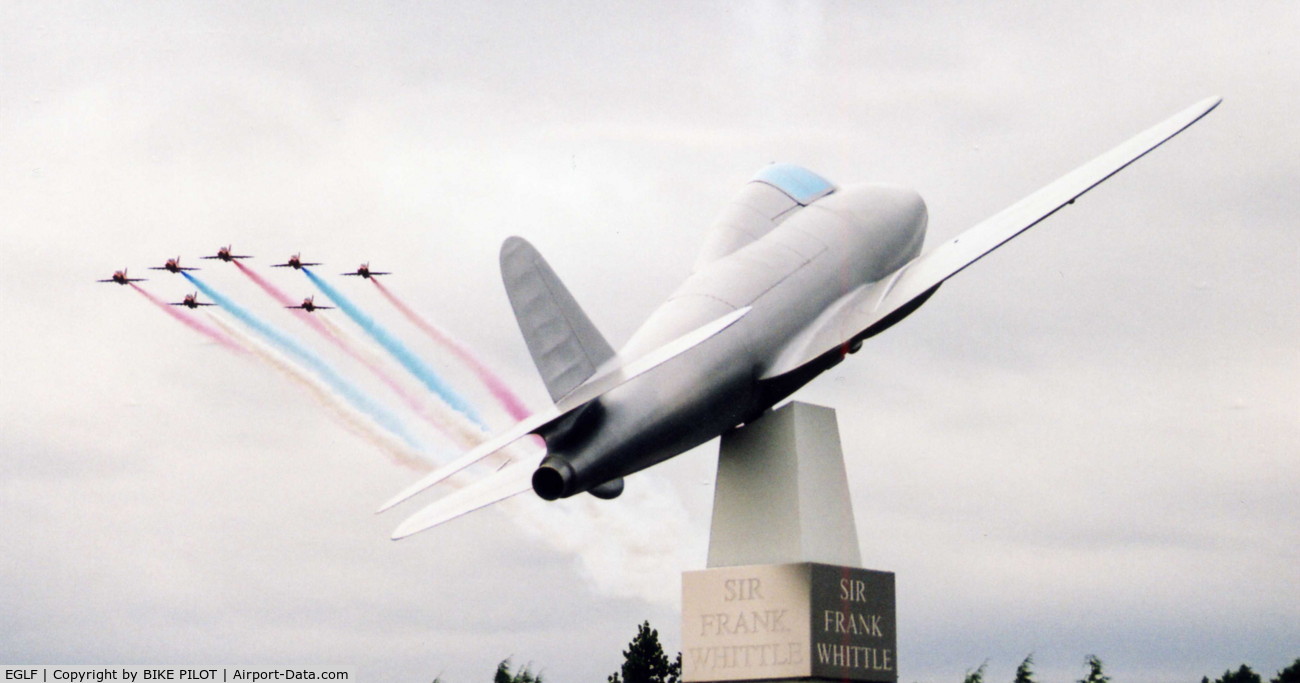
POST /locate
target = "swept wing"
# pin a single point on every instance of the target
(868, 308)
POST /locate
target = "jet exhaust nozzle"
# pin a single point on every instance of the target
(553, 479)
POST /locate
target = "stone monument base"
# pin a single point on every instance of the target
(788, 622)
(779, 601)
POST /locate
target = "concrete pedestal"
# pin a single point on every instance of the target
(782, 494)
(783, 599)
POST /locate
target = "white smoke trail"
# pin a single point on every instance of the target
(356, 422)
(635, 546)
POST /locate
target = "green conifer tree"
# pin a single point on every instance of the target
(1291, 674)
(524, 675)
(976, 676)
(1242, 675)
(1025, 672)
(1095, 673)
(644, 660)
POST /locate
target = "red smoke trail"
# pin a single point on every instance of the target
(190, 322)
(284, 299)
(507, 398)
(444, 423)
(448, 421)
(266, 286)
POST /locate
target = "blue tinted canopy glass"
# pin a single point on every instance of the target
(802, 185)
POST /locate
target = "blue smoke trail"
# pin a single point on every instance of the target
(344, 388)
(397, 349)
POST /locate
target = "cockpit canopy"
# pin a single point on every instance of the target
(798, 183)
(773, 195)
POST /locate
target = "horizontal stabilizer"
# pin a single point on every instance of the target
(854, 315)
(510, 481)
(520, 430)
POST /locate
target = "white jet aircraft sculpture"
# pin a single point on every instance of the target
(794, 275)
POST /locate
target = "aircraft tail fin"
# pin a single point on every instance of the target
(566, 347)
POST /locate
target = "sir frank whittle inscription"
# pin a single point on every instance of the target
(792, 621)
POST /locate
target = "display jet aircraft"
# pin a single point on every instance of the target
(191, 301)
(119, 276)
(794, 275)
(224, 254)
(294, 262)
(365, 272)
(309, 305)
(173, 265)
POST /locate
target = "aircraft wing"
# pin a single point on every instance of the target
(592, 389)
(507, 482)
(608, 379)
(520, 430)
(870, 305)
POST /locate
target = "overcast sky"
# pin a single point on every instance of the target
(1088, 443)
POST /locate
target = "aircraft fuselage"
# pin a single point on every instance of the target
(789, 277)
